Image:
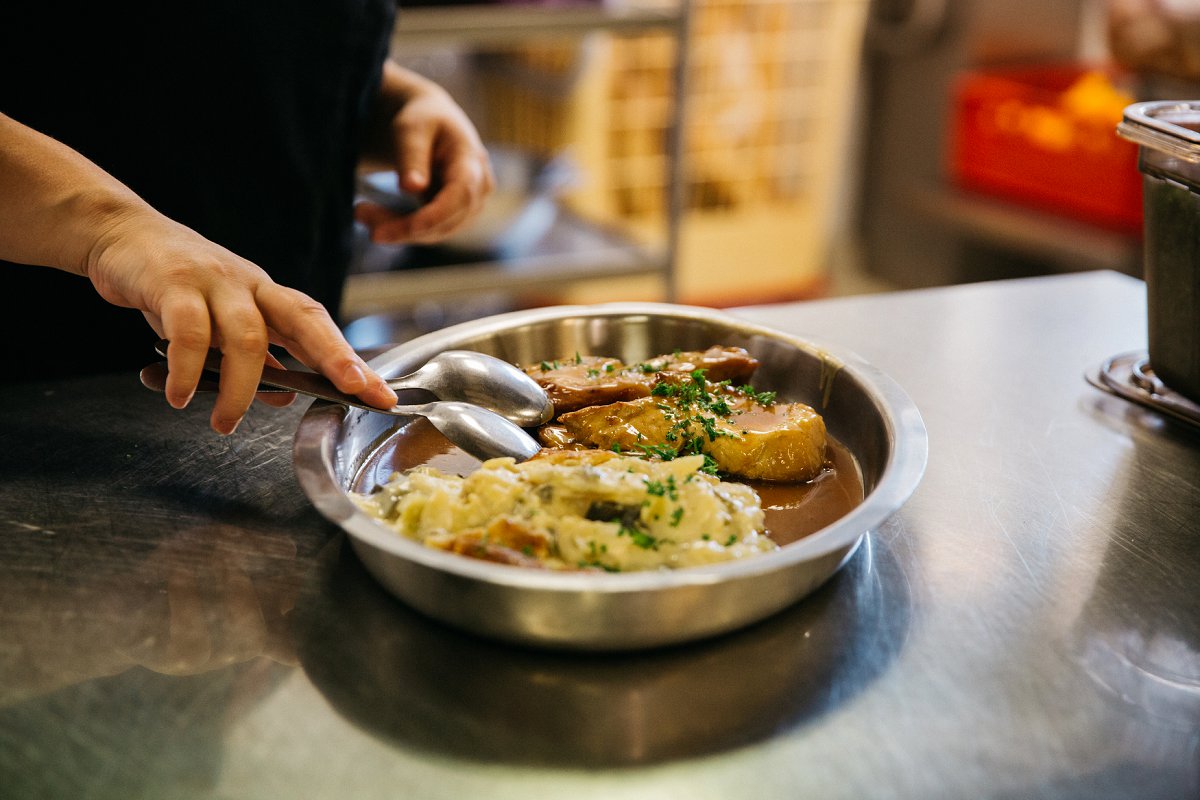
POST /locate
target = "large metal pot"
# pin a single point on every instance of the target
(1168, 135)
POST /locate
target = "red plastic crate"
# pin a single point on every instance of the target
(1046, 137)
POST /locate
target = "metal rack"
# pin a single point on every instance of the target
(575, 249)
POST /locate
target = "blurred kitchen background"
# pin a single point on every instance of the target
(729, 152)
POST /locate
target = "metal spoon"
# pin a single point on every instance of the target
(478, 431)
(483, 380)
(471, 378)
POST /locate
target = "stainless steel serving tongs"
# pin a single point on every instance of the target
(479, 431)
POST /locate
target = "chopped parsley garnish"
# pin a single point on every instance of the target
(662, 451)
(639, 538)
(762, 398)
(710, 427)
(697, 407)
(599, 564)
(665, 488)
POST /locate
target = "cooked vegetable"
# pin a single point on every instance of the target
(583, 509)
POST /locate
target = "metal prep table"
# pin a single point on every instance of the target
(176, 621)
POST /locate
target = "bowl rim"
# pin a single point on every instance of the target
(902, 471)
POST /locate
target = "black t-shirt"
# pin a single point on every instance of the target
(242, 120)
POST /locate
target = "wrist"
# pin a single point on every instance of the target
(107, 220)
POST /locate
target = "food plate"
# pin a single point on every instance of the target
(864, 409)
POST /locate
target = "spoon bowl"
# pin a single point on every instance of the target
(478, 431)
(487, 381)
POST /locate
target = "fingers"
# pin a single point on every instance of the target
(182, 378)
(185, 323)
(305, 328)
(241, 335)
(242, 324)
(414, 156)
(228, 320)
(243, 342)
(430, 224)
(200, 295)
(455, 205)
(275, 399)
(438, 153)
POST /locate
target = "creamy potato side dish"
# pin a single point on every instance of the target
(577, 509)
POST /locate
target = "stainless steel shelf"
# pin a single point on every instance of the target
(573, 250)
(501, 22)
(1069, 244)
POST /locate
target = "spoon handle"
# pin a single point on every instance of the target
(154, 376)
(299, 381)
(480, 432)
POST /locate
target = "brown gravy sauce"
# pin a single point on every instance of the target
(792, 511)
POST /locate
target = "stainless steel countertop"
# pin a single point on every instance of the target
(177, 621)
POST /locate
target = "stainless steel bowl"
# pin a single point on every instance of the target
(863, 408)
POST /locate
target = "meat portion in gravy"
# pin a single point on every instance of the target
(582, 381)
(744, 437)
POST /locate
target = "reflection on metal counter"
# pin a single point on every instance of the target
(404, 677)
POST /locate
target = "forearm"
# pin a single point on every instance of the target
(58, 209)
(55, 204)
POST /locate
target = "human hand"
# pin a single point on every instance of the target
(199, 295)
(438, 156)
(59, 210)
